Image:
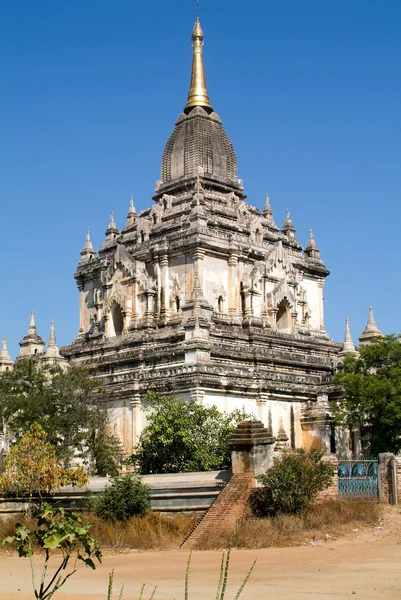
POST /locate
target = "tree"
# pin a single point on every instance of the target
(292, 483)
(65, 404)
(372, 395)
(184, 436)
(125, 497)
(61, 532)
(32, 468)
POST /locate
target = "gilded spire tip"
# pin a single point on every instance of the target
(198, 94)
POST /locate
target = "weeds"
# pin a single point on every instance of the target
(332, 517)
(223, 577)
(155, 532)
(151, 532)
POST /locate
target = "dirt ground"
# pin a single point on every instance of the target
(365, 564)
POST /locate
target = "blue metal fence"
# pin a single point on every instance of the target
(358, 479)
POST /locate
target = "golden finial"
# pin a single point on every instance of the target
(198, 95)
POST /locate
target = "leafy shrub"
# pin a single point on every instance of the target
(33, 468)
(292, 483)
(126, 496)
(184, 436)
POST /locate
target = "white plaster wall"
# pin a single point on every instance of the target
(183, 267)
(272, 411)
(226, 403)
(312, 297)
(215, 272)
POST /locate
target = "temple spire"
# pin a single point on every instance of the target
(32, 325)
(371, 330)
(87, 252)
(6, 364)
(348, 346)
(52, 338)
(32, 343)
(268, 212)
(198, 94)
(52, 351)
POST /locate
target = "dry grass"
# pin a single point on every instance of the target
(331, 517)
(155, 532)
(7, 526)
(152, 532)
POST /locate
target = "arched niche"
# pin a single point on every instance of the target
(116, 321)
(283, 319)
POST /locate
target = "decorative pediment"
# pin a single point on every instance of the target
(219, 290)
(256, 230)
(283, 291)
(243, 214)
(121, 260)
(278, 262)
(116, 294)
(146, 282)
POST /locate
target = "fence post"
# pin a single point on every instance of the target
(394, 480)
(386, 480)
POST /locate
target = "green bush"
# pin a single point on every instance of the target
(184, 436)
(126, 496)
(292, 483)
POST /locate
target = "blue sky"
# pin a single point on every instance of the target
(309, 92)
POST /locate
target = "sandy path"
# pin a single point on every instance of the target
(364, 565)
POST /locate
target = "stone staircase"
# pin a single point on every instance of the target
(228, 507)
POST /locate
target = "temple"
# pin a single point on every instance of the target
(201, 295)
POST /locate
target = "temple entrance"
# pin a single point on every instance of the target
(117, 321)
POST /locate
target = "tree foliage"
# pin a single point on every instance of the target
(183, 436)
(292, 483)
(125, 497)
(64, 404)
(372, 395)
(59, 533)
(32, 468)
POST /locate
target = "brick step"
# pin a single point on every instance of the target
(224, 511)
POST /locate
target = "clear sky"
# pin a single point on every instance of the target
(309, 93)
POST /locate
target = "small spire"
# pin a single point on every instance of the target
(4, 350)
(198, 94)
(281, 435)
(311, 251)
(288, 228)
(131, 216)
(197, 289)
(268, 212)
(282, 438)
(32, 325)
(52, 338)
(131, 210)
(348, 346)
(32, 343)
(288, 222)
(267, 207)
(6, 364)
(88, 242)
(52, 350)
(112, 230)
(371, 330)
(87, 251)
(311, 241)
